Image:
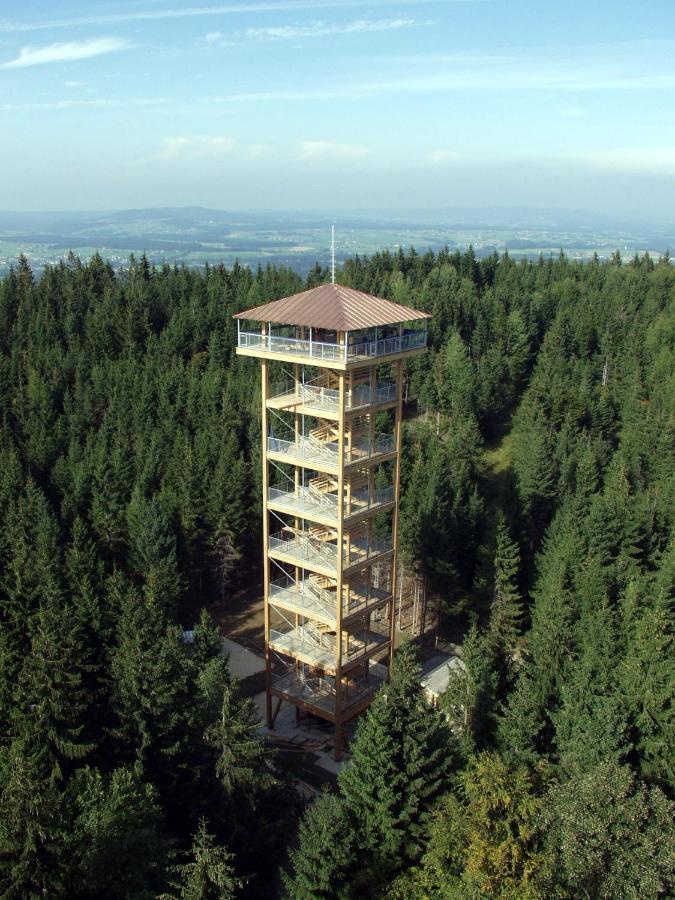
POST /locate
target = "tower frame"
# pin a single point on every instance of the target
(329, 580)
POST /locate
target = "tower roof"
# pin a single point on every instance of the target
(333, 307)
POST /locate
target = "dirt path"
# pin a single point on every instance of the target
(241, 617)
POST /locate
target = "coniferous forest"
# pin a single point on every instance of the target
(538, 502)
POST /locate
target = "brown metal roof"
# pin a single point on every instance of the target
(333, 307)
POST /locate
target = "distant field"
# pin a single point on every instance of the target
(197, 236)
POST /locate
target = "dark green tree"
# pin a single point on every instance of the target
(401, 760)
(323, 863)
(116, 838)
(610, 835)
(209, 874)
(506, 611)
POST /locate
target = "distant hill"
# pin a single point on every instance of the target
(195, 235)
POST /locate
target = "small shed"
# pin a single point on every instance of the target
(436, 675)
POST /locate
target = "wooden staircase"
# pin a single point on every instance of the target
(322, 533)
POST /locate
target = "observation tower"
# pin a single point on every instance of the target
(332, 376)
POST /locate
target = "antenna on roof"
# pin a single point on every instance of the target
(332, 254)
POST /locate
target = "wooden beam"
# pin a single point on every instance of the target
(340, 566)
(397, 491)
(266, 533)
(276, 711)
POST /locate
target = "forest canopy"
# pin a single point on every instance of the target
(538, 504)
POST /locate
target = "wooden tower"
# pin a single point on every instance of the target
(332, 378)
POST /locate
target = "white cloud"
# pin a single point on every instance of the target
(330, 150)
(259, 151)
(441, 155)
(324, 29)
(201, 147)
(99, 103)
(65, 52)
(74, 84)
(572, 111)
(273, 6)
(646, 160)
(214, 37)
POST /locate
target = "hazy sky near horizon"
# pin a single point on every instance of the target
(346, 104)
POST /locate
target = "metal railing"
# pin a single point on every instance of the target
(309, 640)
(304, 547)
(309, 599)
(362, 549)
(301, 547)
(310, 449)
(329, 398)
(387, 346)
(319, 690)
(272, 343)
(303, 500)
(361, 500)
(295, 346)
(326, 504)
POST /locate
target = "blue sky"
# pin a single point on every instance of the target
(345, 104)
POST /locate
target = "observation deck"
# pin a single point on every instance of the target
(319, 603)
(318, 693)
(301, 548)
(323, 507)
(325, 456)
(318, 400)
(326, 327)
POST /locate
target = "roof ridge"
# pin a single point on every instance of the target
(354, 309)
(340, 289)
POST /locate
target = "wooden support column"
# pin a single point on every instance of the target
(297, 474)
(266, 535)
(397, 489)
(339, 558)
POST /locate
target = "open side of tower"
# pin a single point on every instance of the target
(332, 393)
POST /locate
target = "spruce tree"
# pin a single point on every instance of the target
(401, 759)
(534, 467)
(506, 611)
(610, 835)
(154, 698)
(30, 577)
(324, 862)
(52, 703)
(241, 762)
(115, 836)
(32, 859)
(470, 699)
(647, 673)
(591, 724)
(152, 556)
(209, 874)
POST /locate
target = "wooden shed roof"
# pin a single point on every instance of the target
(333, 307)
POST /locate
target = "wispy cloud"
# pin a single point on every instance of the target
(214, 37)
(572, 111)
(441, 155)
(99, 103)
(65, 52)
(646, 160)
(494, 79)
(200, 146)
(259, 151)
(327, 29)
(274, 6)
(329, 150)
